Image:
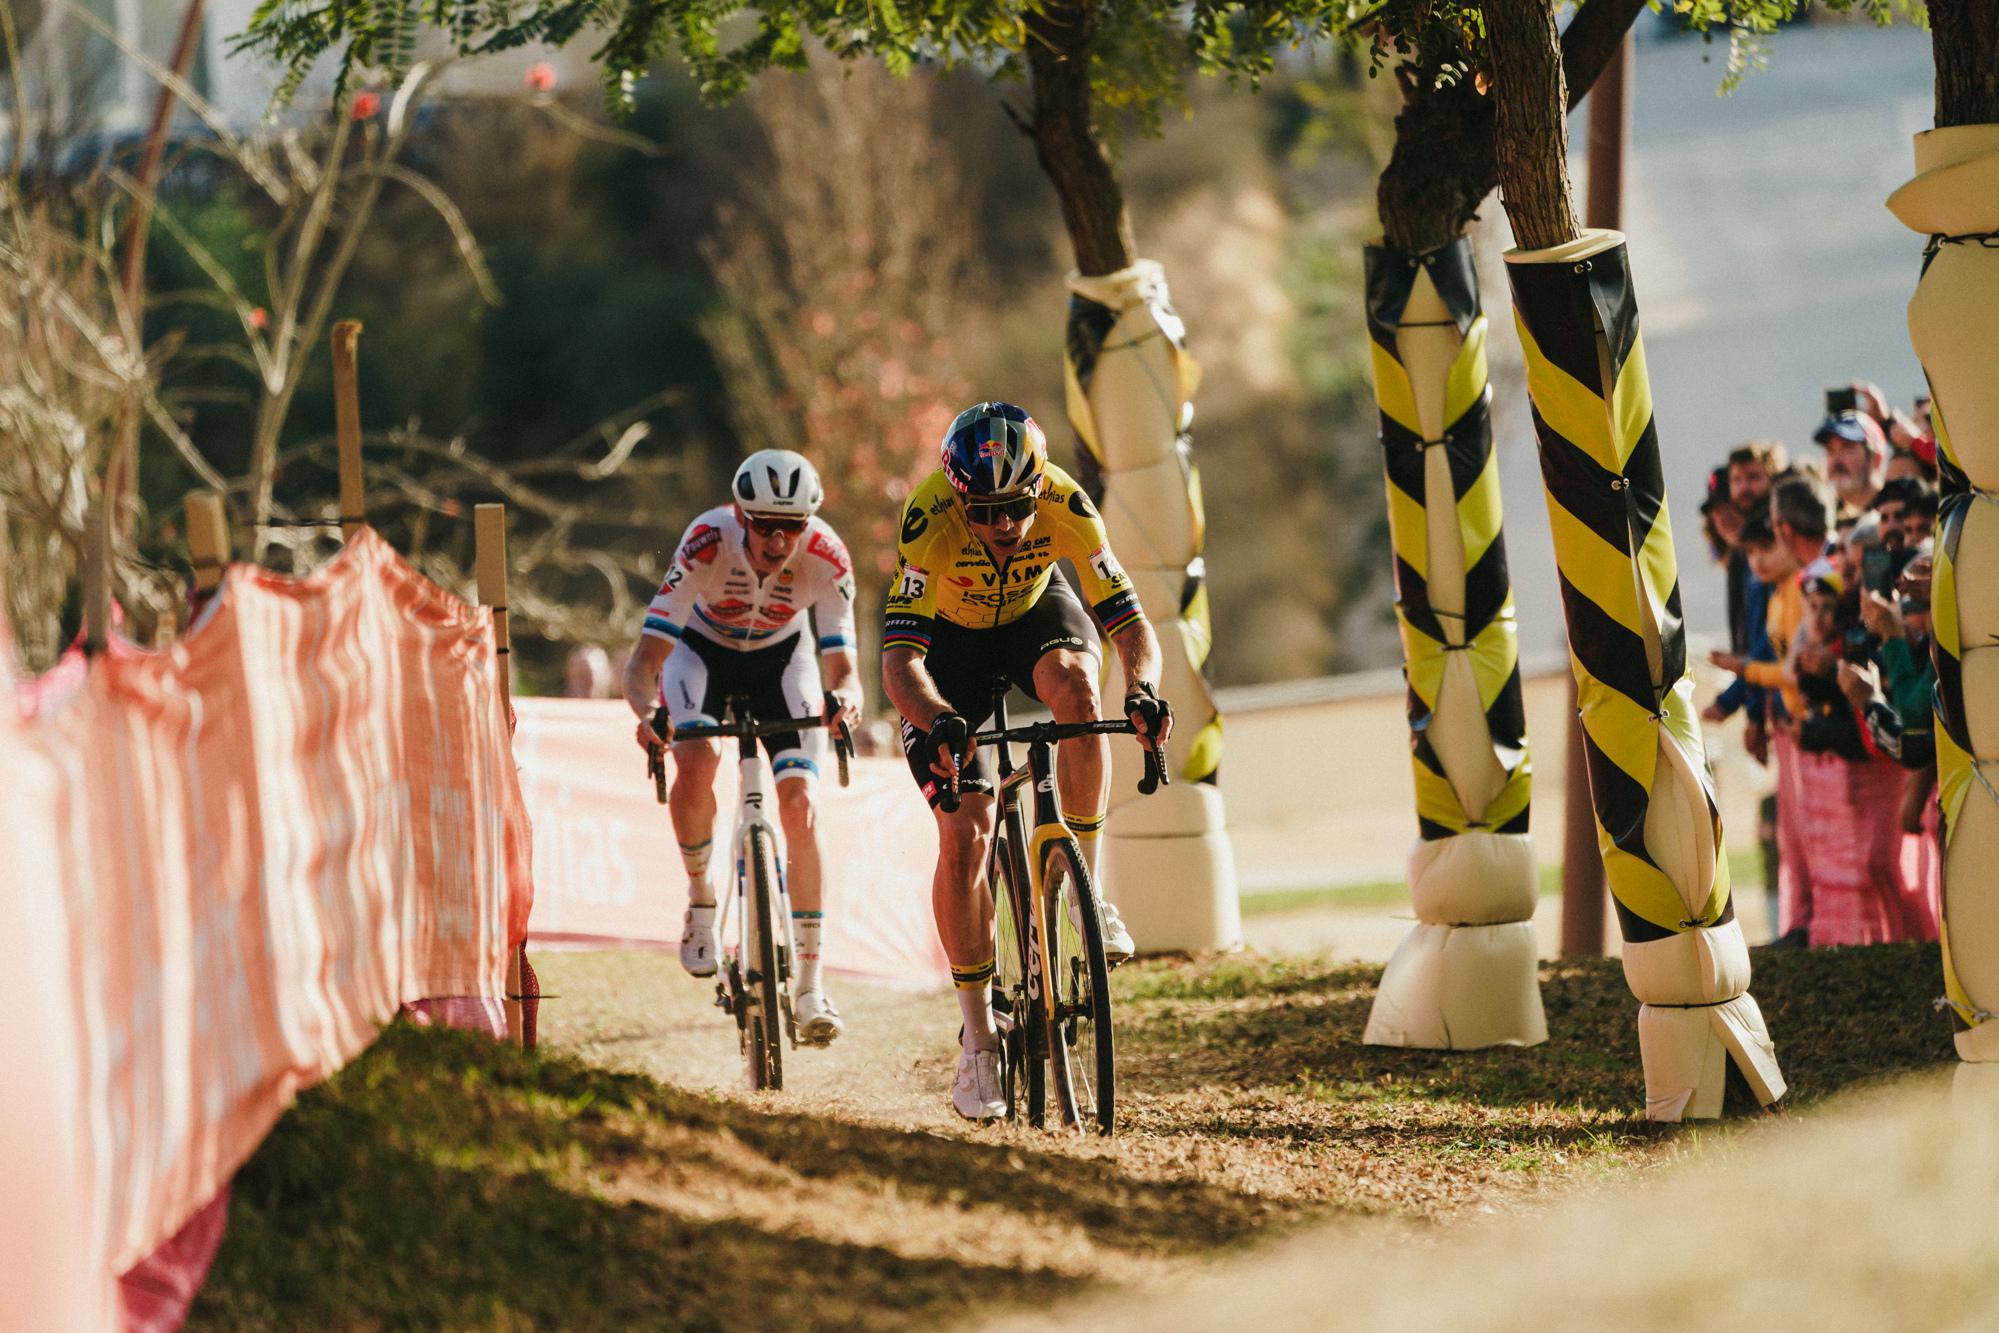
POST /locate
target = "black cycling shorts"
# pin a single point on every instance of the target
(968, 665)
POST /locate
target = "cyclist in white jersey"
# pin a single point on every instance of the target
(731, 619)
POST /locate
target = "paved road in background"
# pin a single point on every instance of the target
(1765, 263)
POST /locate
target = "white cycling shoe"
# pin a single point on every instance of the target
(697, 942)
(1118, 944)
(818, 1022)
(976, 1095)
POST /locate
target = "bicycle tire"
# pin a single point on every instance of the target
(1025, 1077)
(1082, 1050)
(764, 1052)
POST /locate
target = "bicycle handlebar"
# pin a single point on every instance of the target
(743, 729)
(1154, 777)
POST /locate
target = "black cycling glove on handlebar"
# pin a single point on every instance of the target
(1142, 701)
(949, 734)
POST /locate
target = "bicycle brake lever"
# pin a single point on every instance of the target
(843, 750)
(1155, 775)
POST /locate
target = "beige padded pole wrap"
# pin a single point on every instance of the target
(1166, 859)
(347, 426)
(1954, 324)
(489, 532)
(1466, 975)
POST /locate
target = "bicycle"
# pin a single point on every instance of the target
(1063, 1029)
(753, 982)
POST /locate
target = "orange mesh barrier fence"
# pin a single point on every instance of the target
(256, 846)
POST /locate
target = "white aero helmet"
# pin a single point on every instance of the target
(777, 483)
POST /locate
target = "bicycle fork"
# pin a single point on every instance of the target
(1047, 827)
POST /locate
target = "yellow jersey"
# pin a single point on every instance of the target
(944, 572)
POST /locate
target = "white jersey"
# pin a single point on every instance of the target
(712, 591)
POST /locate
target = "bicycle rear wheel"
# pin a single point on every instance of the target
(763, 1051)
(1082, 1054)
(1018, 1008)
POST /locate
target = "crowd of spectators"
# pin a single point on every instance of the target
(1828, 563)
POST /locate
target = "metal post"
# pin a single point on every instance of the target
(1609, 107)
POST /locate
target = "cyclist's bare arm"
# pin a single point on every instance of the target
(641, 683)
(840, 673)
(909, 687)
(1138, 650)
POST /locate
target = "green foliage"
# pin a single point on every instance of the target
(1448, 36)
(1141, 48)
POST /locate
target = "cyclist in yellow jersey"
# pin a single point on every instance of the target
(977, 599)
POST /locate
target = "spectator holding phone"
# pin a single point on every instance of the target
(1774, 558)
(1856, 450)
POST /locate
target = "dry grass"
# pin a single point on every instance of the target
(445, 1181)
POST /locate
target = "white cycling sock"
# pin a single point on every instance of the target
(975, 1002)
(1089, 834)
(694, 856)
(701, 914)
(805, 928)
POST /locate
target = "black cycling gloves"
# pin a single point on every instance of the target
(1142, 702)
(948, 735)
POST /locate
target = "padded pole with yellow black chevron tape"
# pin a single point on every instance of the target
(1954, 324)
(1465, 975)
(1657, 823)
(1166, 860)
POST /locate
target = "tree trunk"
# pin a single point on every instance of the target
(1965, 36)
(1531, 146)
(1443, 165)
(1066, 140)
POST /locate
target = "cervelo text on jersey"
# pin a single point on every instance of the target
(712, 591)
(944, 572)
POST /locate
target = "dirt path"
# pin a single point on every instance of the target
(639, 1011)
(1248, 1107)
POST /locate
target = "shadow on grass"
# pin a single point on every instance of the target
(443, 1180)
(1839, 1017)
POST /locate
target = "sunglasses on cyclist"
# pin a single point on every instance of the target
(770, 527)
(1019, 509)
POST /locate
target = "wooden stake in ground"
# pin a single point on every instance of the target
(207, 540)
(347, 432)
(489, 530)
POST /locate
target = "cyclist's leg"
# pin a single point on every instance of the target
(960, 663)
(690, 687)
(1063, 675)
(963, 903)
(795, 692)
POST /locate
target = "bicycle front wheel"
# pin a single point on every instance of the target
(1018, 1008)
(1081, 1053)
(763, 1051)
